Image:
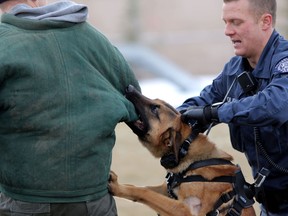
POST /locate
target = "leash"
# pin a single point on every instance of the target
(212, 124)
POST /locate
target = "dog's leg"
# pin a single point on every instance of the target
(161, 189)
(163, 205)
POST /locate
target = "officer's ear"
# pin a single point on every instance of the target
(266, 21)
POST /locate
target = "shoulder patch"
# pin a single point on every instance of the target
(282, 66)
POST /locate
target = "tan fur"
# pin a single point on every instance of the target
(166, 134)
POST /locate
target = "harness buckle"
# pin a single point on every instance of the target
(169, 178)
(184, 148)
(241, 198)
(261, 176)
(233, 212)
(172, 180)
(171, 184)
(227, 196)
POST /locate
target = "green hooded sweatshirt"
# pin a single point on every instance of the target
(62, 89)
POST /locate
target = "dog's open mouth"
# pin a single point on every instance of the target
(139, 124)
(139, 127)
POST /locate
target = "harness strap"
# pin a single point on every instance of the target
(223, 199)
(241, 199)
(208, 162)
(186, 144)
(235, 209)
(199, 178)
(238, 193)
(174, 180)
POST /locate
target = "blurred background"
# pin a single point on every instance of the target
(175, 48)
(169, 43)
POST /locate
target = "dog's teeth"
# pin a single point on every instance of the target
(139, 124)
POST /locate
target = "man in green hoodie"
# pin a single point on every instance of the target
(62, 87)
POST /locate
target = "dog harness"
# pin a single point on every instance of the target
(242, 192)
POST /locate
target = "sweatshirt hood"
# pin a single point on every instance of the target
(66, 11)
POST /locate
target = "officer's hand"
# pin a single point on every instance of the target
(202, 114)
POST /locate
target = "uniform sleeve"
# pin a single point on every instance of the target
(268, 106)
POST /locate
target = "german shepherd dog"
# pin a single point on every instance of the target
(201, 181)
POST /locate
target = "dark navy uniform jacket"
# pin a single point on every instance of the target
(263, 115)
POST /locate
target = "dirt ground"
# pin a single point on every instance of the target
(134, 165)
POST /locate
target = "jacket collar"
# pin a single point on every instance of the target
(263, 66)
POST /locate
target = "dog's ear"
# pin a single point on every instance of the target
(167, 138)
(177, 144)
(172, 140)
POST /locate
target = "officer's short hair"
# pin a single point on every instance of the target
(260, 7)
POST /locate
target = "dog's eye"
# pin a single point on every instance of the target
(154, 109)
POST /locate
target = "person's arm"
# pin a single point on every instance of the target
(269, 106)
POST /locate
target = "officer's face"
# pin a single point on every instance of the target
(244, 29)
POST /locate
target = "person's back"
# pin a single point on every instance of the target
(61, 96)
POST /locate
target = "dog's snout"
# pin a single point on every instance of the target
(130, 88)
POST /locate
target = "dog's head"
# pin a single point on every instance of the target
(159, 127)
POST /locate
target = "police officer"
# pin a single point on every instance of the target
(253, 87)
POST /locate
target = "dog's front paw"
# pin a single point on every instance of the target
(113, 185)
